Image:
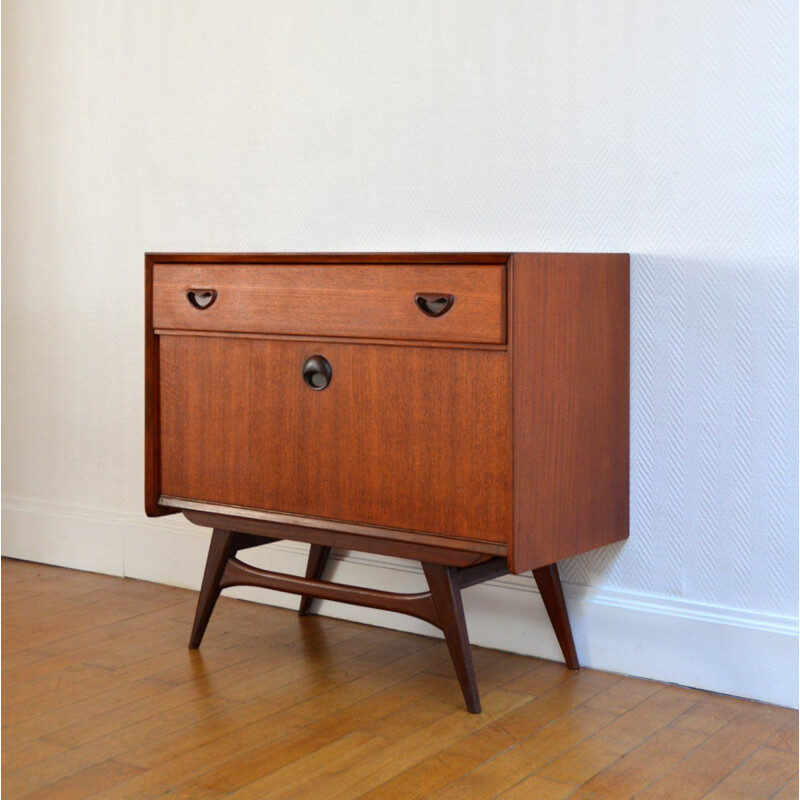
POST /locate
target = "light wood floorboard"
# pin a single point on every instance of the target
(102, 699)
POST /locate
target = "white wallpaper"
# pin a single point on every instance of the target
(667, 130)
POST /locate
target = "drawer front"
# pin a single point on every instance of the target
(364, 301)
(415, 438)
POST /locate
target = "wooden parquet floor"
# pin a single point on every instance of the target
(102, 699)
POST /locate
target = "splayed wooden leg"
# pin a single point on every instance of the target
(317, 559)
(549, 583)
(220, 550)
(446, 594)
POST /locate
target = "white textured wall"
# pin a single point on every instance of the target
(664, 129)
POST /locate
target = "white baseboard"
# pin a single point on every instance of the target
(721, 649)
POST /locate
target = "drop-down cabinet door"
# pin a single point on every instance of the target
(398, 436)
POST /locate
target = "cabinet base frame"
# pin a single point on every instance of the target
(440, 606)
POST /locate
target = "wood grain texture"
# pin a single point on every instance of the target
(441, 606)
(566, 388)
(570, 344)
(408, 438)
(219, 551)
(374, 301)
(548, 582)
(152, 460)
(159, 720)
(329, 258)
(224, 545)
(420, 605)
(446, 593)
(345, 339)
(318, 556)
(485, 571)
(384, 541)
(451, 452)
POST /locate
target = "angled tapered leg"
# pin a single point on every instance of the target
(221, 549)
(549, 583)
(317, 559)
(446, 595)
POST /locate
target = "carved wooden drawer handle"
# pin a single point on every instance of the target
(434, 305)
(201, 298)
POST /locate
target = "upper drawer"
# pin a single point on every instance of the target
(373, 301)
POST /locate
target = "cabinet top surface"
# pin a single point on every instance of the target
(336, 258)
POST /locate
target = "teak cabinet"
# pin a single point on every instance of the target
(469, 411)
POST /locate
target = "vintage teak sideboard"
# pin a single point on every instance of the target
(465, 410)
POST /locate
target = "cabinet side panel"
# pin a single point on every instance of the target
(152, 478)
(570, 343)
